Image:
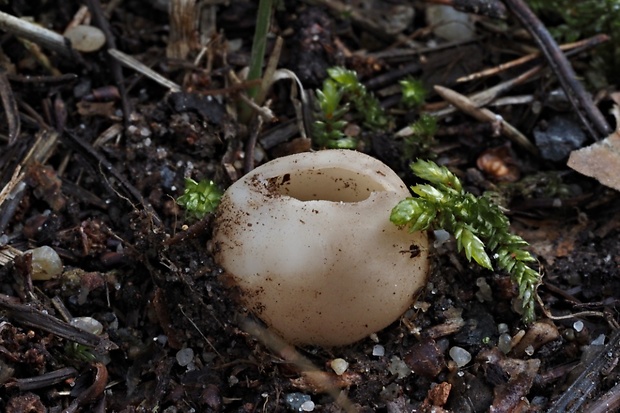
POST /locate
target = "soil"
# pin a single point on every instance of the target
(110, 162)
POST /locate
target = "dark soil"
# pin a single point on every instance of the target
(103, 196)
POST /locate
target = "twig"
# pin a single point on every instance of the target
(205, 338)
(270, 68)
(143, 69)
(285, 350)
(590, 116)
(609, 402)
(100, 20)
(32, 317)
(39, 35)
(43, 380)
(578, 392)
(10, 108)
(487, 96)
(576, 46)
(250, 145)
(485, 115)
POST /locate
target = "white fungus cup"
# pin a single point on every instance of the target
(308, 240)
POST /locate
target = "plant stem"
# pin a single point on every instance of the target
(259, 43)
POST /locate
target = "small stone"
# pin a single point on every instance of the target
(561, 136)
(87, 324)
(378, 350)
(85, 38)
(504, 343)
(185, 356)
(339, 366)
(296, 401)
(46, 263)
(307, 406)
(460, 356)
(578, 326)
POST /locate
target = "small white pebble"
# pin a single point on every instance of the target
(339, 366)
(504, 343)
(85, 38)
(460, 356)
(578, 326)
(529, 350)
(502, 328)
(87, 324)
(307, 406)
(46, 263)
(378, 350)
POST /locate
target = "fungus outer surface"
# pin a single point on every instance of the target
(308, 240)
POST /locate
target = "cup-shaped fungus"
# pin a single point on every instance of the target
(308, 240)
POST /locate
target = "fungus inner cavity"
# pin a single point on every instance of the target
(327, 184)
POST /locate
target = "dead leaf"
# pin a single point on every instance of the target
(600, 160)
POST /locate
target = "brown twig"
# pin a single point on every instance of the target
(10, 108)
(39, 35)
(100, 20)
(590, 116)
(43, 380)
(485, 115)
(609, 402)
(313, 374)
(248, 162)
(32, 317)
(575, 47)
(93, 392)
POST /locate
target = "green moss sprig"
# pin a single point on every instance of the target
(329, 132)
(476, 222)
(413, 92)
(200, 198)
(363, 101)
(342, 91)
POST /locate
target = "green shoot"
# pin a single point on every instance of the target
(257, 56)
(413, 92)
(200, 198)
(363, 101)
(343, 85)
(477, 224)
(329, 131)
